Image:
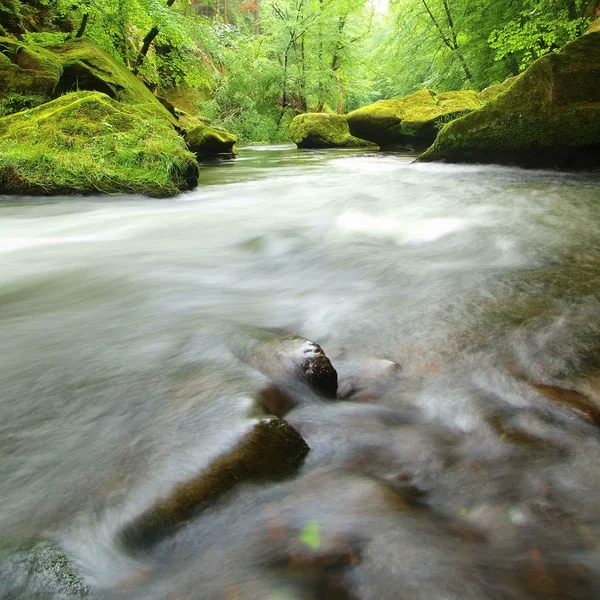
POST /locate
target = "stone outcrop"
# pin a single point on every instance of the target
(412, 121)
(323, 130)
(549, 118)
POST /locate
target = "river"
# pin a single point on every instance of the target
(447, 478)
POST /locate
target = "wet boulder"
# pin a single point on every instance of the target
(412, 121)
(323, 130)
(270, 451)
(287, 361)
(549, 118)
(39, 569)
(208, 140)
(86, 142)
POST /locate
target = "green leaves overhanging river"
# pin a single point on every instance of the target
(459, 305)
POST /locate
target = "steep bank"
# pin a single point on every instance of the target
(549, 117)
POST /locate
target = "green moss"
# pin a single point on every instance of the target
(86, 142)
(187, 122)
(27, 70)
(411, 121)
(323, 130)
(493, 91)
(15, 102)
(87, 67)
(206, 140)
(550, 117)
(187, 99)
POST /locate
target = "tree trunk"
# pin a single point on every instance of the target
(224, 11)
(148, 39)
(285, 73)
(82, 26)
(457, 49)
(450, 39)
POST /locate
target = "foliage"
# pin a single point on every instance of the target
(535, 31)
(253, 65)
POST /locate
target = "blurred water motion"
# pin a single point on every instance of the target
(454, 477)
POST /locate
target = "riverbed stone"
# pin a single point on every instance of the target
(271, 450)
(412, 121)
(323, 130)
(39, 569)
(549, 118)
(289, 360)
(86, 142)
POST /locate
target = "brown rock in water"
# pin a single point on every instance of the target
(271, 451)
(285, 360)
(579, 403)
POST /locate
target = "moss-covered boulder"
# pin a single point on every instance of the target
(29, 75)
(85, 66)
(323, 130)
(493, 91)
(412, 121)
(549, 118)
(271, 450)
(86, 142)
(207, 140)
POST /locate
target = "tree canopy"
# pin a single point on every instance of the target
(251, 65)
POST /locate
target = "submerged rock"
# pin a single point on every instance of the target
(323, 130)
(39, 569)
(550, 116)
(86, 142)
(412, 121)
(207, 140)
(272, 450)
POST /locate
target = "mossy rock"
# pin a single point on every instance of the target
(323, 130)
(86, 142)
(87, 67)
(412, 121)
(187, 99)
(27, 71)
(493, 91)
(207, 140)
(11, 18)
(187, 122)
(39, 569)
(549, 118)
(272, 450)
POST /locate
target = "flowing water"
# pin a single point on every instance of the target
(450, 478)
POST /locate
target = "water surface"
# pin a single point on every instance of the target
(477, 280)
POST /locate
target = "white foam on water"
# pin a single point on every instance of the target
(405, 231)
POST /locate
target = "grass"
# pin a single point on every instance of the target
(86, 142)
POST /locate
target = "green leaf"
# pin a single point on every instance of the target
(311, 535)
